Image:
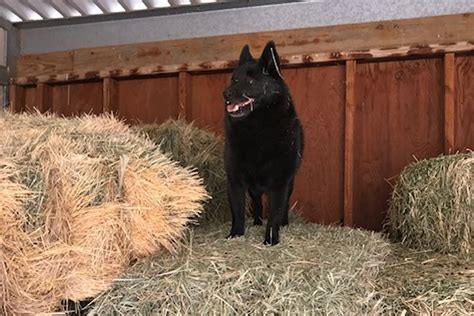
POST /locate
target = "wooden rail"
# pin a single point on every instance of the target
(291, 60)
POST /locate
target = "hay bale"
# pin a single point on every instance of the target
(432, 204)
(79, 199)
(315, 269)
(199, 148)
(417, 282)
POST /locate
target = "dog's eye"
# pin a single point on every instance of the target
(235, 80)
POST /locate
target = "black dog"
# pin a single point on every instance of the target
(264, 141)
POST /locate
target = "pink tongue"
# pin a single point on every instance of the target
(232, 107)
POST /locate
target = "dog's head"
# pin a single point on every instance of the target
(255, 83)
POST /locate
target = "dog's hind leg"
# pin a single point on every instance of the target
(278, 200)
(287, 206)
(236, 195)
(256, 206)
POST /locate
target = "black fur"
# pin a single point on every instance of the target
(264, 141)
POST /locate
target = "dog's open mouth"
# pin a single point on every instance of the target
(241, 108)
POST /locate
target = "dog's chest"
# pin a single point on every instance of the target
(264, 154)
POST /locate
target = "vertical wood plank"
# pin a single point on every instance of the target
(318, 94)
(30, 103)
(399, 119)
(449, 104)
(464, 102)
(17, 98)
(148, 100)
(207, 101)
(44, 97)
(110, 97)
(349, 143)
(184, 96)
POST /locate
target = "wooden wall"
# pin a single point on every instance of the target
(364, 119)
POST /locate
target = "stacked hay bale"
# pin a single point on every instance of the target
(198, 148)
(314, 270)
(432, 205)
(79, 199)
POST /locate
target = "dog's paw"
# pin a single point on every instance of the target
(271, 241)
(232, 235)
(257, 222)
(284, 223)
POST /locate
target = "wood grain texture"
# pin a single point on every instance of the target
(407, 37)
(464, 100)
(31, 101)
(349, 143)
(86, 97)
(449, 104)
(219, 65)
(318, 94)
(184, 95)
(207, 110)
(44, 97)
(151, 100)
(399, 116)
(17, 98)
(110, 95)
(77, 98)
(45, 64)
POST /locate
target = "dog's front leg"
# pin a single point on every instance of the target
(287, 205)
(236, 195)
(276, 209)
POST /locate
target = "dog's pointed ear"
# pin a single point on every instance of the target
(270, 61)
(245, 55)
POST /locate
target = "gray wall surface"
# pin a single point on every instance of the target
(232, 21)
(13, 49)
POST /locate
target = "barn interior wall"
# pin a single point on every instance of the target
(12, 51)
(232, 21)
(365, 117)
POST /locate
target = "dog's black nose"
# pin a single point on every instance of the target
(227, 102)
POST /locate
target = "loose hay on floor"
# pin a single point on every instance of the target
(432, 205)
(426, 283)
(315, 269)
(79, 198)
(199, 148)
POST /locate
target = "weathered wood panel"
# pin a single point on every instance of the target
(45, 64)
(207, 102)
(44, 96)
(110, 96)
(449, 104)
(318, 93)
(77, 98)
(30, 99)
(464, 100)
(419, 36)
(151, 100)
(184, 95)
(17, 98)
(349, 143)
(399, 116)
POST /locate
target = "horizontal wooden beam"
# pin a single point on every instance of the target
(409, 36)
(291, 60)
